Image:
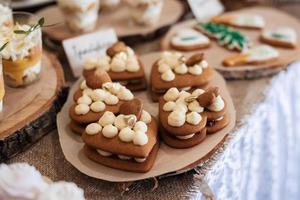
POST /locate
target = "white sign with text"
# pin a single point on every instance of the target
(204, 9)
(78, 49)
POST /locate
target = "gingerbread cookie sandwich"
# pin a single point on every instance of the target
(282, 37)
(241, 20)
(188, 39)
(96, 95)
(224, 35)
(257, 55)
(126, 140)
(186, 118)
(173, 69)
(121, 64)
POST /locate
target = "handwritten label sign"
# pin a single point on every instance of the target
(204, 10)
(78, 49)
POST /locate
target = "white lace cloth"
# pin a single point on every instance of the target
(262, 159)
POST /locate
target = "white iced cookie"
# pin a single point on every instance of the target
(118, 63)
(140, 126)
(218, 105)
(163, 67)
(145, 117)
(169, 106)
(107, 118)
(285, 35)
(110, 131)
(93, 129)
(195, 70)
(189, 37)
(168, 76)
(97, 106)
(126, 134)
(193, 118)
(195, 107)
(140, 138)
(82, 109)
(111, 100)
(120, 122)
(248, 20)
(98, 95)
(172, 94)
(181, 69)
(132, 65)
(84, 99)
(125, 94)
(176, 118)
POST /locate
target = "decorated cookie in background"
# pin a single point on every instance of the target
(126, 140)
(241, 20)
(173, 69)
(96, 95)
(256, 55)
(121, 64)
(225, 36)
(281, 36)
(186, 117)
(188, 40)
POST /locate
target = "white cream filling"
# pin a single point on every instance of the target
(83, 20)
(219, 119)
(122, 157)
(185, 137)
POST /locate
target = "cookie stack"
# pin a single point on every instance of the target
(97, 94)
(126, 140)
(173, 69)
(186, 118)
(121, 64)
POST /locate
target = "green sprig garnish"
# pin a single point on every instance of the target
(3, 46)
(32, 28)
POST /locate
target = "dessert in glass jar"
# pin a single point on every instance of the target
(145, 12)
(80, 15)
(109, 4)
(6, 18)
(22, 56)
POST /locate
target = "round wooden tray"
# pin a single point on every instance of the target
(117, 19)
(30, 112)
(215, 54)
(169, 160)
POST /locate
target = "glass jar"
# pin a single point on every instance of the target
(22, 57)
(80, 15)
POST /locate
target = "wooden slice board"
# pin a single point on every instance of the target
(215, 54)
(30, 112)
(168, 159)
(118, 19)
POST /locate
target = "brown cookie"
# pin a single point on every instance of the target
(77, 95)
(215, 126)
(215, 115)
(116, 146)
(77, 128)
(174, 142)
(127, 165)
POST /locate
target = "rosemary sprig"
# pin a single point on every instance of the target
(3, 46)
(40, 24)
